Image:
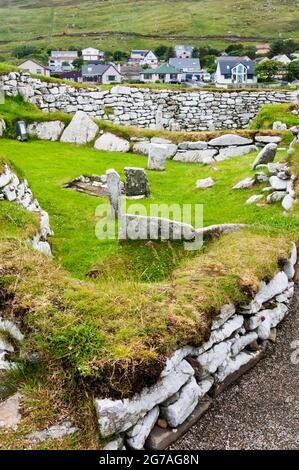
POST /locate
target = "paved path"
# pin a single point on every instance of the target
(261, 411)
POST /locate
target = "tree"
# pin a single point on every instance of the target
(281, 46)
(26, 50)
(108, 55)
(161, 51)
(293, 71)
(234, 47)
(77, 63)
(208, 61)
(170, 53)
(195, 53)
(268, 70)
(120, 55)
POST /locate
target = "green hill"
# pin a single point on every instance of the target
(123, 24)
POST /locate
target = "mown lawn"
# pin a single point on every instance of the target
(48, 166)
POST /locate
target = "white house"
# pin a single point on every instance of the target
(235, 71)
(32, 66)
(282, 58)
(165, 74)
(104, 74)
(62, 60)
(90, 53)
(183, 51)
(143, 57)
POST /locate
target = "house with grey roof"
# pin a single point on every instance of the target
(165, 74)
(190, 67)
(99, 73)
(235, 71)
(143, 57)
(183, 51)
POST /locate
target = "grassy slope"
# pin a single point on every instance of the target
(275, 112)
(191, 17)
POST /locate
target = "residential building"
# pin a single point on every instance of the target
(73, 76)
(62, 60)
(165, 74)
(130, 73)
(282, 58)
(235, 71)
(262, 49)
(183, 51)
(143, 57)
(32, 66)
(104, 74)
(90, 53)
(190, 67)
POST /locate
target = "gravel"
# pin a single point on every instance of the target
(260, 411)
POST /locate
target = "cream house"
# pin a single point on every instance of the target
(32, 66)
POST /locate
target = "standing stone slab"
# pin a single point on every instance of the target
(157, 157)
(111, 143)
(114, 191)
(81, 130)
(136, 183)
(266, 155)
(2, 127)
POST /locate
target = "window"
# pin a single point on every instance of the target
(149, 76)
(239, 73)
(38, 71)
(111, 78)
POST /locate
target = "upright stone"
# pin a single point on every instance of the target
(136, 183)
(157, 156)
(81, 130)
(266, 155)
(114, 191)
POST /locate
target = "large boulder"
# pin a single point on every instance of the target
(141, 147)
(266, 155)
(268, 139)
(81, 130)
(229, 152)
(228, 140)
(111, 143)
(49, 130)
(136, 183)
(196, 156)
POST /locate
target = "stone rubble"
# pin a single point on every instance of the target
(57, 431)
(236, 342)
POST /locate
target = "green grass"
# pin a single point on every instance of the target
(192, 17)
(275, 112)
(48, 166)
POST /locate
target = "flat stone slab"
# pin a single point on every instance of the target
(160, 439)
(220, 387)
(229, 139)
(9, 412)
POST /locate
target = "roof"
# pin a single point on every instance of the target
(96, 69)
(184, 63)
(139, 51)
(163, 69)
(228, 63)
(64, 53)
(184, 47)
(35, 61)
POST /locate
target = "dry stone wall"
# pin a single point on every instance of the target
(148, 108)
(192, 377)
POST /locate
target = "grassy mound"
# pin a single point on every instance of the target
(275, 112)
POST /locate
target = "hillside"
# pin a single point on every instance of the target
(123, 24)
